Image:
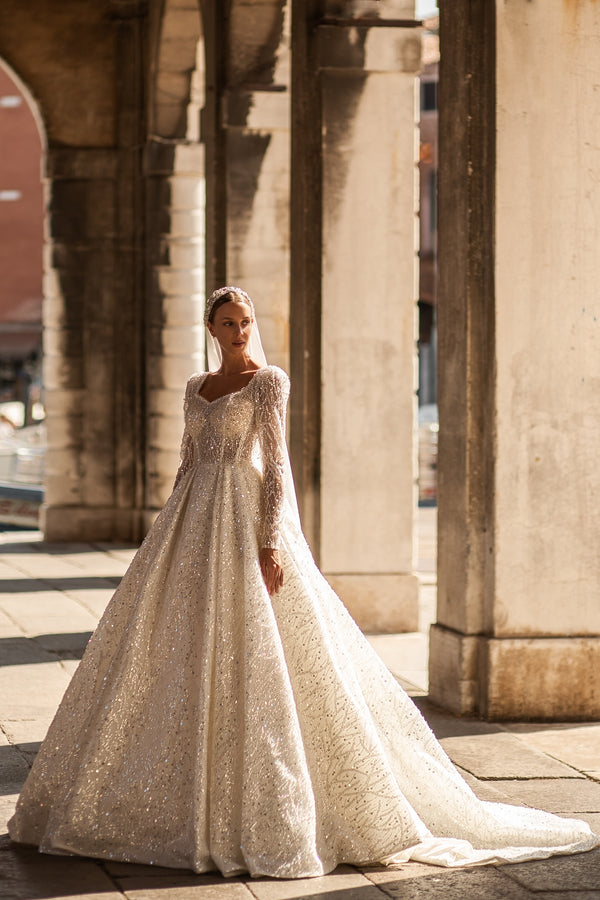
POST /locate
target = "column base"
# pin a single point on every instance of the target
(379, 604)
(86, 524)
(515, 678)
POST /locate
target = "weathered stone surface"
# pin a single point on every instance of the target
(494, 756)
(517, 530)
(123, 870)
(481, 883)
(560, 795)
(380, 603)
(26, 874)
(578, 745)
(572, 895)
(444, 724)
(67, 61)
(13, 769)
(181, 887)
(579, 871)
(343, 884)
(542, 678)
(485, 790)
(453, 669)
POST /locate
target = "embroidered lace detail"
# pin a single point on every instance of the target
(210, 726)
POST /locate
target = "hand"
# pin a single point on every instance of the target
(271, 569)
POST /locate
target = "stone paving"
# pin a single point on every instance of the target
(50, 599)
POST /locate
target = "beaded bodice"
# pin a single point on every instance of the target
(243, 427)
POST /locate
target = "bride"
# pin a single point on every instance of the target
(228, 713)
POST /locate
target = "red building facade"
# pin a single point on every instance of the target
(21, 232)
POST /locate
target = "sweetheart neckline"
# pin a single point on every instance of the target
(229, 393)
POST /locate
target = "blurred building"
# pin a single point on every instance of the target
(428, 168)
(21, 241)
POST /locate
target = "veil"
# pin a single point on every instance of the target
(255, 349)
(213, 349)
(256, 352)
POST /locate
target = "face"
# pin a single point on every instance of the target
(232, 326)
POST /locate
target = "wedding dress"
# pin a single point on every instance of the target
(211, 726)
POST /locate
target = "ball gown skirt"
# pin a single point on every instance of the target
(210, 726)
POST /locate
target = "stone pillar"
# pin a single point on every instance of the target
(518, 631)
(246, 130)
(362, 525)
(258, 147)
(94, 315)
(176, 214)
(78, 311)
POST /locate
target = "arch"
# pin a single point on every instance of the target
(31, 102)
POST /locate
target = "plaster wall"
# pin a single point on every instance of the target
(547, 478)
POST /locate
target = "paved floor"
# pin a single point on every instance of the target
(51, 598)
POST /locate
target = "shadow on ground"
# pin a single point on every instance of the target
(77, 583)
(43, 648)
(27, 875)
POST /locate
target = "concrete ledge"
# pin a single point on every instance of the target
(380, 604)
(453, 670)
(554, 679)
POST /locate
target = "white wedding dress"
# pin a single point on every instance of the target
(210, 726)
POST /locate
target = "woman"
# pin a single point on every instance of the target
(228, 714)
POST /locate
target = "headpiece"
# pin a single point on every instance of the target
(241, 295)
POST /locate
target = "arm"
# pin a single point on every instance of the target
(271, 410)
(186, 453)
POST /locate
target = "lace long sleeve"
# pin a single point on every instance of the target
(272, 403)
(186, 454)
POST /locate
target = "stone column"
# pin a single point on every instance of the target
(362, 524)
(78, 311)
(176, 220)
(94, 315)
(518, 631)
(258, 147)
(246, 130)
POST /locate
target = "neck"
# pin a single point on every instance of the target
(234, 365)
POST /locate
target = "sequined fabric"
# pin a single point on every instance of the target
(210, 726)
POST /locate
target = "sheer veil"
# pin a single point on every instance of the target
(213, 349)
(255, 349)
(257, 353)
